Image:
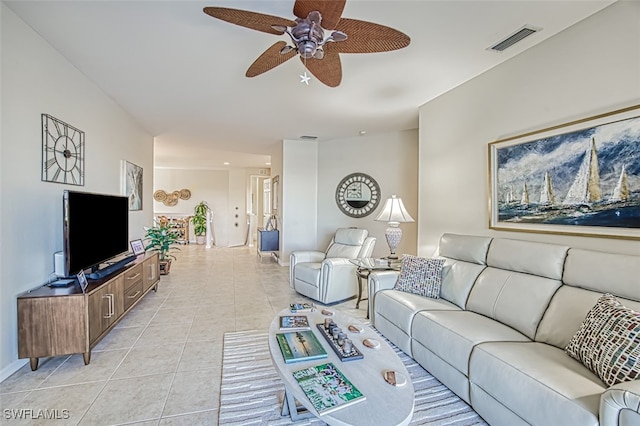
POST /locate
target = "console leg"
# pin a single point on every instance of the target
(87, 357)
(34, 363)
(155, 288)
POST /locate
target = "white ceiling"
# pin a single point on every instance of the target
(180, 73)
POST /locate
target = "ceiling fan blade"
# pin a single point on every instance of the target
(270, 59)
(331, 10)
(328, 69)
(255, 21)
(367, 37)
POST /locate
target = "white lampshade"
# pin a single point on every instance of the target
(394, 211)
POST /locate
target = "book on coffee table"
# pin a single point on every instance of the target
(327, 388)
(294, 322)
(300, 345)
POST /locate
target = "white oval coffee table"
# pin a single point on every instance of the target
(384, 404)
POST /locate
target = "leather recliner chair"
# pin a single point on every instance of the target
(329, 276)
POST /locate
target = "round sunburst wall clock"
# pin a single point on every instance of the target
(358, 195)
(62, 152)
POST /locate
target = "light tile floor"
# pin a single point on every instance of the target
(161, 365)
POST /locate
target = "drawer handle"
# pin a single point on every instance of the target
(134, 276)
(133, 296)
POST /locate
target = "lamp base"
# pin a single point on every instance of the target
(393, 234)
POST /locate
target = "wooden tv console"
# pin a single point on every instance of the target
(64, 321)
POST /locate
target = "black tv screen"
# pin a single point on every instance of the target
(96, 229)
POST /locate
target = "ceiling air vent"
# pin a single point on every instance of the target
(308, 137)
(521, 34)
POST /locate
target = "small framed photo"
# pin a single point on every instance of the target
(83, 281)
(137, 246)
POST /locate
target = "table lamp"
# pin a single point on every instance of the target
(394, 213)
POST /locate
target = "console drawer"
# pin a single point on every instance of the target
(132, 277)
(132, 294)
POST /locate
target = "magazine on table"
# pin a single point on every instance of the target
(327, 388)
(300, 345)
(302, 307)
(294, 322)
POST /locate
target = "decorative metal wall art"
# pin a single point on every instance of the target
(62, 152)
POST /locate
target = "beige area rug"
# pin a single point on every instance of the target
(251, 392)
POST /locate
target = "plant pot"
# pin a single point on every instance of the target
(165, 266)
(200, 239)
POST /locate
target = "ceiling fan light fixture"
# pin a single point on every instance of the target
(308, 39)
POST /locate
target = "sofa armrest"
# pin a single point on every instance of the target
(382, 280)
(379, 280)
(620, 404)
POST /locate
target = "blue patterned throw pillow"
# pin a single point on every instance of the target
(420, 275)
(608, 341)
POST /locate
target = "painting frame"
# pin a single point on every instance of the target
(137, 246)
(131, 184)
(563, 149)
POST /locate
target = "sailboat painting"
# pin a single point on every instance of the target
(580, 178)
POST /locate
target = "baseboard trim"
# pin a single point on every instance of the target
(12, 368)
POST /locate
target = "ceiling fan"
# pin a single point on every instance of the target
(318, 53)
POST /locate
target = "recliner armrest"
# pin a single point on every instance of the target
(620, 404)
(302, 256)
(306, 256)
(337, 270)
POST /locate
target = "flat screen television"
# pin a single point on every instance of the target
(95, 228)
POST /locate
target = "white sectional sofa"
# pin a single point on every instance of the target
(497, 334)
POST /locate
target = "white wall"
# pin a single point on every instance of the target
(590, 68)
(211, 186)
(35, 80)
(297, 217)
(226, 192)
(392, 160)
(238, 186)
(312, 172)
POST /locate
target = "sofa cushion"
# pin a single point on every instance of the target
(419, 275)
(399, 307)
(538, 382)
(457, 280)
(608, 342)
(468, 248)
(603, 272)
(568, 308)
(516, 299)
(544, 260)
(452, 335)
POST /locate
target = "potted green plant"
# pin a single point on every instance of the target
(162, 240)
(199, 221)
